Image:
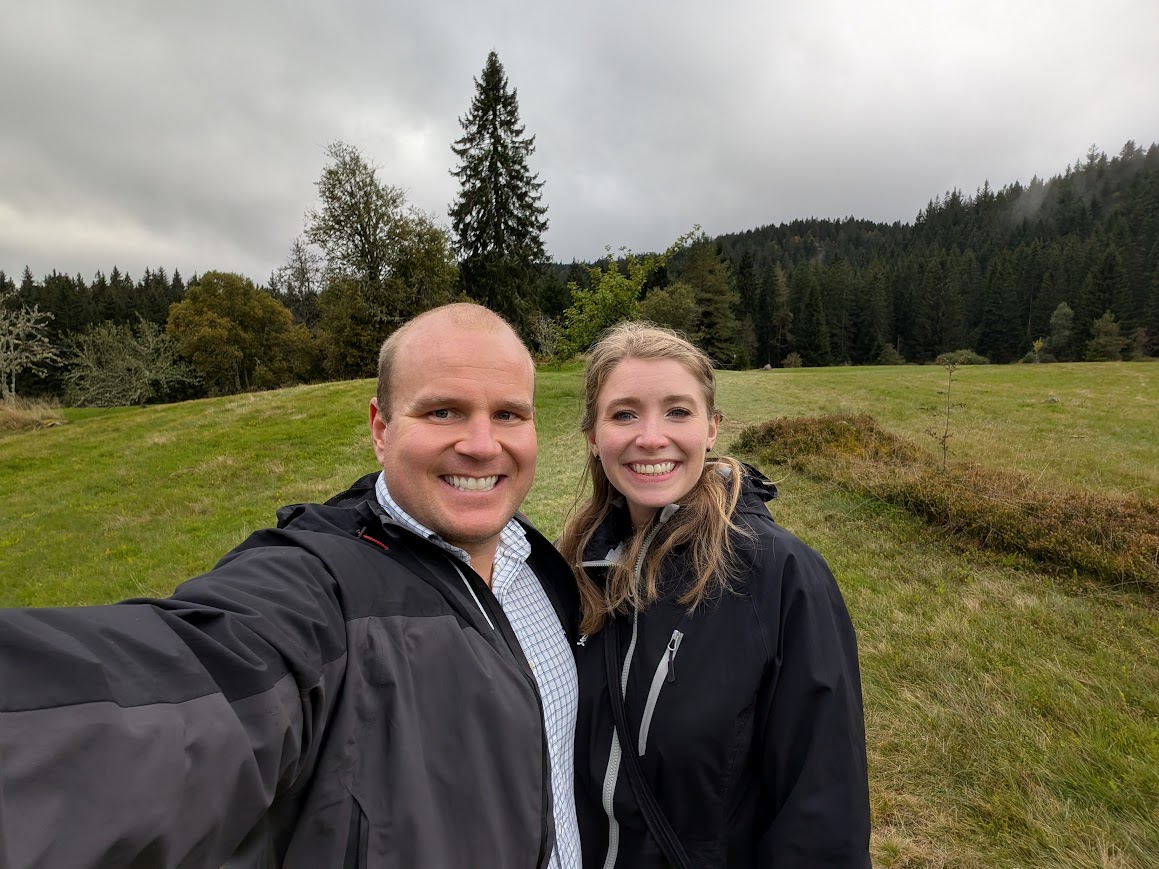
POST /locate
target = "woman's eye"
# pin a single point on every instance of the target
(622, 415)
(680, 411)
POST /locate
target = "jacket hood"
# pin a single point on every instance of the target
(351, 512)
(756, 490)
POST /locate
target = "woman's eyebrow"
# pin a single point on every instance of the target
(632, 401)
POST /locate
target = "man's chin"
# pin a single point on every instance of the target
(468, 534)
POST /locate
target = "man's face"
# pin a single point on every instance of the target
(459, 449)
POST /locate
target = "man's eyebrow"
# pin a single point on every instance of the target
(423, 402)
(524, 408)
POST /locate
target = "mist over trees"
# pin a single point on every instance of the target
(1064, 269)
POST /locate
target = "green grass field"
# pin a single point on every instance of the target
(1012, 711)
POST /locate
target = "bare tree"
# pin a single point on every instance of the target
(114, 364)
(299, 281)
(24, 342)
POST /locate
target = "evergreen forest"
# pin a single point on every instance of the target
(1061, 269)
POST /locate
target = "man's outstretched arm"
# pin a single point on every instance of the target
(157, 733)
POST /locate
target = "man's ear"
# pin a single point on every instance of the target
(377, 422)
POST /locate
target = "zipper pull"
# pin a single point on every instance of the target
(672, 659)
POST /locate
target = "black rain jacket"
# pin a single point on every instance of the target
(745, 715)
(329, 695)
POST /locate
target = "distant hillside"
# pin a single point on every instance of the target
(985, 271)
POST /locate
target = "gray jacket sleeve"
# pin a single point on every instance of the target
(158, 732)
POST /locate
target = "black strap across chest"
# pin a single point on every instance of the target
(654, 817)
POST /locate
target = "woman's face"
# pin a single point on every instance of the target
(652, 429)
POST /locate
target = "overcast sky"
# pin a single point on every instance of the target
(191, 134)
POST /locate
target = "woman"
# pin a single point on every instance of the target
(725, 636)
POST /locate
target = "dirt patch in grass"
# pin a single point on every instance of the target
(1113, 538)
(21, 414)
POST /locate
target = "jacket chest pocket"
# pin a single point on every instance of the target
(697, 702)
(665, 674)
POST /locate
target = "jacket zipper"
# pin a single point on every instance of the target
(612, 773)
(474, 596)
(665, 673)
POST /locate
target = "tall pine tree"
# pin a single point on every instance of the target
(870, 330)
(812, 331)
(1000, 335)
(497, 218)
(780, 321)
(716, 329)
(748, 309)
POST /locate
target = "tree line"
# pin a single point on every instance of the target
(1062, 269)
(1068, 261)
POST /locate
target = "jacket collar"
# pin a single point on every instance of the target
(356, 511)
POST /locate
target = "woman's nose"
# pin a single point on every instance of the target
(652, 436)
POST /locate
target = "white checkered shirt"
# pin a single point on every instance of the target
(545, 646)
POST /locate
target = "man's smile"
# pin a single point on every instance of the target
(472, 484)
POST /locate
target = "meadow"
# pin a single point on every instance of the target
(1012, 710)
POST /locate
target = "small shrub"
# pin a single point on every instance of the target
(1137, 345)
(1041, 356)
(889, 356)
(22, 414)
(961, 357)
(850, 436)
(793, 360)
(1108, 343)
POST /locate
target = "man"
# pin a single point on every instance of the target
(366, 684)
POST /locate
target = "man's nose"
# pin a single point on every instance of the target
(479, 440)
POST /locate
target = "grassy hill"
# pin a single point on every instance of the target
(1012, 711)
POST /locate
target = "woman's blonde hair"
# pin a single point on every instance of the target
(704, 520)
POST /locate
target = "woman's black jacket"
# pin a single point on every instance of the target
(745, 715)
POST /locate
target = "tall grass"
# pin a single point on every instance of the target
(1111, 537)
(23, 414)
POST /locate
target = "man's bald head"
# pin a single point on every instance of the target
(458, 315)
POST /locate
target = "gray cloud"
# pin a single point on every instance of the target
(191, 135)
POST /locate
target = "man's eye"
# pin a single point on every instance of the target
(506, 416)
(441, 413)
